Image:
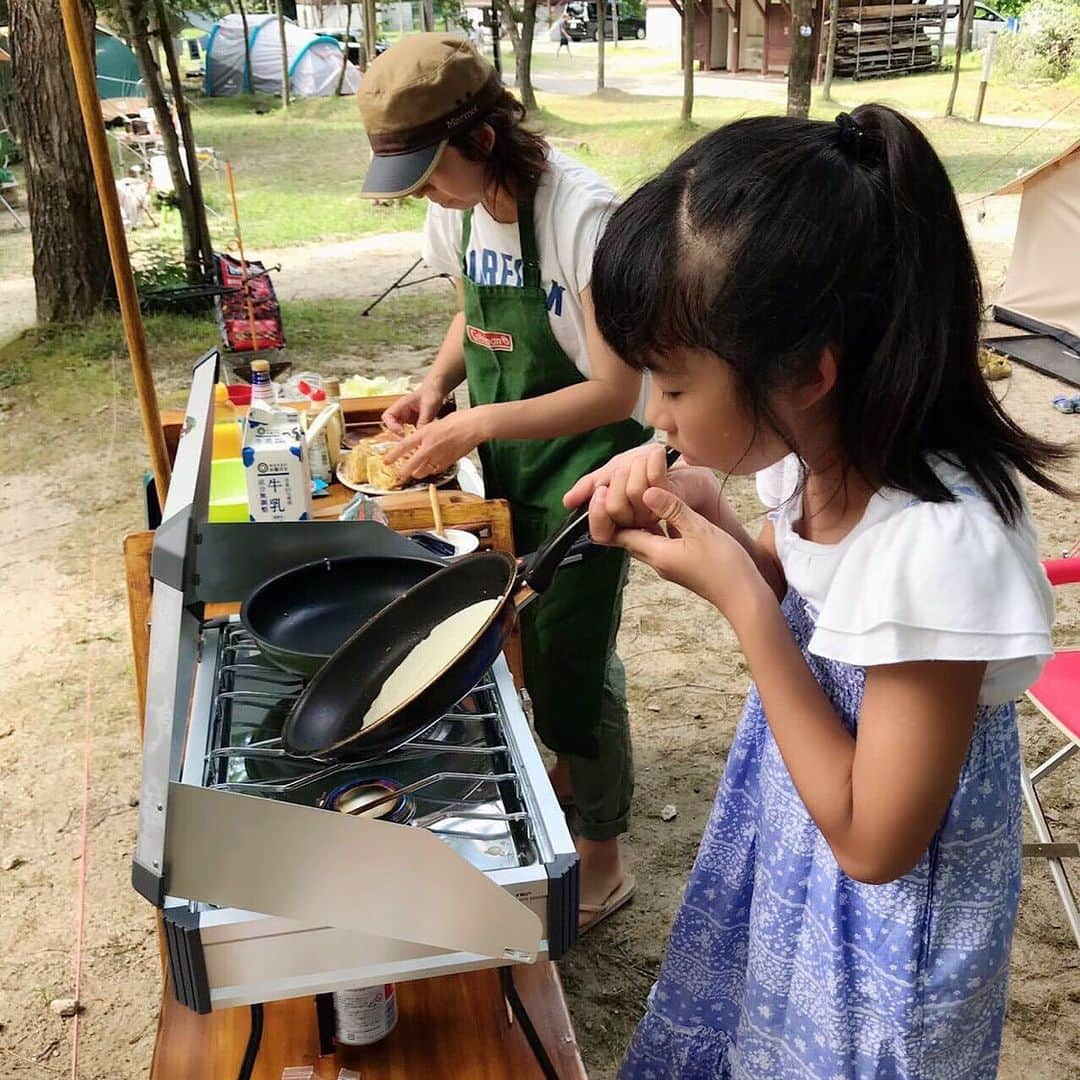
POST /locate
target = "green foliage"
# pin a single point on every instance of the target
(1048, 45)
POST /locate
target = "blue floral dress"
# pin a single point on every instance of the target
(780, 966)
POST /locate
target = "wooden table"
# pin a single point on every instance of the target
(451, 1028)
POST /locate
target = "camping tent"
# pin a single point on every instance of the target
(314, 61)
(1042, 290)
(117, 69)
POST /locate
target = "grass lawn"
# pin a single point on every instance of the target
(298, 172)
(65, 377)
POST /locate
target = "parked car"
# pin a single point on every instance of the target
(582, 23)
(986, 21)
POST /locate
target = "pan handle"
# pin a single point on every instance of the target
(572, 538)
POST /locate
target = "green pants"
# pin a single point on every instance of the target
(603, 786)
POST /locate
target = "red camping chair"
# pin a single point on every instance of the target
(1057, 696)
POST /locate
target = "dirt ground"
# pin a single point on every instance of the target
(65, 665)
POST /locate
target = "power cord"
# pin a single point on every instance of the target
(517, 1007)
(247, 1066)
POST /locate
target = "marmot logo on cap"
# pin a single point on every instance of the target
(453, 121)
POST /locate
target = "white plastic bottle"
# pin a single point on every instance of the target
(262, 386)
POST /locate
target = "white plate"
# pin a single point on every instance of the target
(464, 541)
(417, 485)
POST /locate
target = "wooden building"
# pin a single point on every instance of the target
(754, 36)
(732, 35)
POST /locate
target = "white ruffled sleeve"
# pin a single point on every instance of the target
(777, 483)
(942, 581)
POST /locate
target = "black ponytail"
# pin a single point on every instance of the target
(773, 237)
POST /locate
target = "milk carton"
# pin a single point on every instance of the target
(276, 465)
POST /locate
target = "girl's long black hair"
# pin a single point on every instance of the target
(774, 237)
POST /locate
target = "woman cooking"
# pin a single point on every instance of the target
(516, 224)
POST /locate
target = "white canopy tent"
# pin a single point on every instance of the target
(314, 60)
(1042, 290)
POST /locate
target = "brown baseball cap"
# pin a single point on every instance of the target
(413, 98)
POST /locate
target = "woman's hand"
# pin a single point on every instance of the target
(685, 548)
(438, 444)
(418, 407)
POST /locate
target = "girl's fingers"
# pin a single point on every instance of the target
(583, 490)
(637, 483)
(656, 468)
(601, 527)
(645, 546)
(667, 506)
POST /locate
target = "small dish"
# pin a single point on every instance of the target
(464, 542)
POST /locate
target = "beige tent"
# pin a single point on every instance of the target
(1042, 290)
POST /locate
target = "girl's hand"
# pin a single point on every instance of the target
(438, 444)
(694, 553)
(418, 407)
(629, 475)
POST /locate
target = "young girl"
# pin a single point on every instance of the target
(807, 301)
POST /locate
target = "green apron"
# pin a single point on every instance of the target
(568, 634)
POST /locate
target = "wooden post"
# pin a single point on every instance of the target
(371, 28)
(600, 36)
(90, 106)
(689, 18)
(988, 63)
(967, 10)
(284, 58)
(830, 50)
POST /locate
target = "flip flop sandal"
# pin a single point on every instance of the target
(598, 912)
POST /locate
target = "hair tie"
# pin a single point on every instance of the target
(851, 134)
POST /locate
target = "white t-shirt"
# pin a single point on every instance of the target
(570, 211)
(921, 581)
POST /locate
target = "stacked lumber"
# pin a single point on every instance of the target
(883, 39)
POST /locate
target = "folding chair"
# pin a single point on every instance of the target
(1057, 696)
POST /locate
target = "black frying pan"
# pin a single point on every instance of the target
(301, 617)
(327, 720)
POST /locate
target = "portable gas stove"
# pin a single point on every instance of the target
(281, 876)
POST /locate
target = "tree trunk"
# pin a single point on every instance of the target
(198, 224)
(72, 277)
(371, 29)
(345, 50)
(136, 14)
(801, 65)
(614, 23)
(523, 56)
(600, 37)
(284, 58)
(830, 50)
(247, 46)
(427, 15)
(688, 19)
(966, 6)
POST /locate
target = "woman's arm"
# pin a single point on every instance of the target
(445, 374)
(609, 395)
